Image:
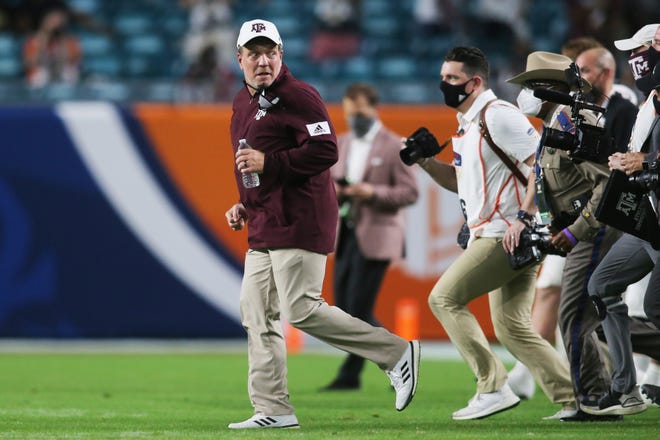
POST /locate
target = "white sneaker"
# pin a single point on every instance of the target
(262, 421)
(564, 412)
(405, 374)
(521, 381)
(486, 404)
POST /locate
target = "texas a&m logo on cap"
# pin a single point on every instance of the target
(258, 27)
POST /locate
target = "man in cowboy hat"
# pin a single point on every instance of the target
(567, 192)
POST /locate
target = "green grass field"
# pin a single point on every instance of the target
(194, 396)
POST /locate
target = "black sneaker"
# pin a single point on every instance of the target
(616, 403)
(581, 416)
(651, 394)
(342, 385)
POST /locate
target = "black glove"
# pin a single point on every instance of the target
(419, 144)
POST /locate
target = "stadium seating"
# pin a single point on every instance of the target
(144, 43)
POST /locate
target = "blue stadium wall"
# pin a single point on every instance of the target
(96, 241)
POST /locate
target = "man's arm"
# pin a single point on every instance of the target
(528, 204)
(314, 146)
(443, 173)
(586, 225)
(512, 234)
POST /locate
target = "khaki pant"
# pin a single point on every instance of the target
(484, 267)
(292, 279)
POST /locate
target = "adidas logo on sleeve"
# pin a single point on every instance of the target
(318, 128)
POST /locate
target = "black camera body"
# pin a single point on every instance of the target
(648, 179)
(589, 141)
(533, 246)
(420, 144)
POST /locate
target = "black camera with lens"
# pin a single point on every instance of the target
(533, 246)
(588, 142)
(648, 179)
(420, 144)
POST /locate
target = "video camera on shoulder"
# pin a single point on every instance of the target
(420, 144)
(589, 141)
(534, 245)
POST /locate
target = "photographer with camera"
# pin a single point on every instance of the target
(632, 257)
(598, 66)
(567, 191)
(490, 192)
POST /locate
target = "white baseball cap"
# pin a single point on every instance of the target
(258, 28)
(642, 37)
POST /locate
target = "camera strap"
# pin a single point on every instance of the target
(497, 150)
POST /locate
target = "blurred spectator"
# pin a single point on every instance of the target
(575, 46)
(500, 28)
(435, 17)
(206, 80)
(5, 17)
(504, 21)
(592, 17)
(52, 53)
(338, 32)
(26, 15)
(210, 23)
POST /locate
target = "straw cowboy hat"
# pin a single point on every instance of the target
(546, 66)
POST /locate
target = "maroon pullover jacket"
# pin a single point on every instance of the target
(295, 206)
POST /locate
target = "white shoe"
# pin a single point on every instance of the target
(564, 412)
(262, 421)
(405, 374)
(521, 381)
(486, 404)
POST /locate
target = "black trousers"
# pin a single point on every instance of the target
(357, 281)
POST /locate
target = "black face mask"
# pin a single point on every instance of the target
(360, 124)
(643, 66)
(454, 94)
(594, 95)
(264, 102)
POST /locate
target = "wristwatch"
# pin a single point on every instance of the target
(524, 216)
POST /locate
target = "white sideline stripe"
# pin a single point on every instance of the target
(111, 157)
(438, 350)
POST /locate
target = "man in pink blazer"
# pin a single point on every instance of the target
(372, 186)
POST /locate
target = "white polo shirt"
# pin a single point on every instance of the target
(487, 188)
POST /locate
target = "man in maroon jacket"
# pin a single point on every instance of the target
(292, 219)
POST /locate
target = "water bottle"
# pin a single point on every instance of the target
(250, 180)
